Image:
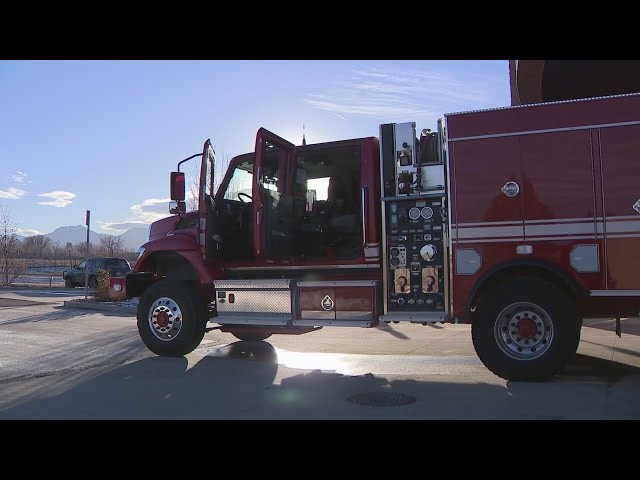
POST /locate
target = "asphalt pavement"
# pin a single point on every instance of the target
(67, 363)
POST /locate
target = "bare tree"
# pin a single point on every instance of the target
(111, 244)
(221, 164)
(57, 250)
(194, 185)
(80, 249)
(35, 246)
(9, 247)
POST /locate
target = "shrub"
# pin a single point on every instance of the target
(102, 285)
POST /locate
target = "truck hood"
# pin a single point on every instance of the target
(160, 228)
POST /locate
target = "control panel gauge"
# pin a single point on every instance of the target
(428, 252)
(427, 213)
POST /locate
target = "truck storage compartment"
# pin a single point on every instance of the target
(265, 302)
(341, 303)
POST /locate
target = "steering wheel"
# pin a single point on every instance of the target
(240, 195)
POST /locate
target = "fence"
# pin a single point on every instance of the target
(29, 272)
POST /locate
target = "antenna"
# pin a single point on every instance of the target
(304, 140)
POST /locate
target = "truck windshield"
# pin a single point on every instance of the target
(240, 181)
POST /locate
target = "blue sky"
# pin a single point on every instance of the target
(104, 135)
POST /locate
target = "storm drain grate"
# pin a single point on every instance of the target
(381, 399)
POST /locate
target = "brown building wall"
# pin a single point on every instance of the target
(535, 81)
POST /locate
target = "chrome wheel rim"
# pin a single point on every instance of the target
(165, 319)
(524, 331)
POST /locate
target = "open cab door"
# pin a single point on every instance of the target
(272, 198)
(205, 194)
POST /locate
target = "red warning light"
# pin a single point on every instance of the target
(177, 186)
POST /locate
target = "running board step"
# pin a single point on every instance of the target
(333, 323)
(251, 320)
(415, 317)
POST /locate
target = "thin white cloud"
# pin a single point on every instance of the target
(368, 107)
(59, 198)
(20, 177)
(27, 232)
(147, 212)
(12, 193)
(121, 226)
(151, 209)
(389, 93)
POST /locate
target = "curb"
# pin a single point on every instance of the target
(100, 307)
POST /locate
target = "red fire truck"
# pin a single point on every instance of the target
(521, 221)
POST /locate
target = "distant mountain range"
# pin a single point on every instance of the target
(132, 238)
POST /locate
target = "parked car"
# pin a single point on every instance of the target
(117, 267)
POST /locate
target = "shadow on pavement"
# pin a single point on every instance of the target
(244, 380)
(586, 367)
(59, 314)
(630, 326)
(15, 302)
(50, 292)
(389, 329)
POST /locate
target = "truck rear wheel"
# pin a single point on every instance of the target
(526, 329)
(171, 318)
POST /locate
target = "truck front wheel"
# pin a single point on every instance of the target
(172, 318)
(525, 329)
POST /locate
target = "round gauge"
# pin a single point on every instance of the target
(395, 252)
(395, 261)
(428, 252)
(414, 213)
(427, 213)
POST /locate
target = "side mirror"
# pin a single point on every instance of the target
(177, 186)
(75, 266)
(177, 207)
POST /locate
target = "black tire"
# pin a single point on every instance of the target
(177, 334)
(526, 329)
(93, 283)
(250, 336)
(68, 282)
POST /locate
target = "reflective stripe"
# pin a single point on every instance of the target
(547, 130)
(484, 232)
(615, 293)
(492, 240)
(560, 229)
(615, 227)
(623, 226)
(481, 224)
